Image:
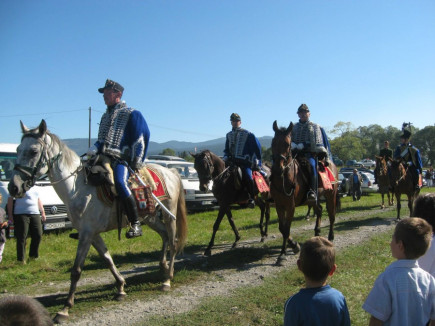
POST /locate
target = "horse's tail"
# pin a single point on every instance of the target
(181, 219)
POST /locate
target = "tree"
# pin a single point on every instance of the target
(424, 140)
(168, 151)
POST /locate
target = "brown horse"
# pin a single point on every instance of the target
(211, 167)
(289, 186)
(383, 180)
(401, 182)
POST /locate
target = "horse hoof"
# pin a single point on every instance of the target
(263, 239)
(166, 288)
(234, 244)
(207, 252)
(60, 318)
(280, 261)
(297, 248)
(120, 296)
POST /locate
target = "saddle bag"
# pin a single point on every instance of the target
(146, 204)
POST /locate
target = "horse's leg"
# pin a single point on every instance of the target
(158, 226)
(398, 205)
(267, 215)
(262, 205)
(331, 207)
(233, 226)
(218, 221)
(382, 196)
(318, 209)
(171, 227)
(82, 251)
(101, 248)
(410, 201)
(307, 216)
(285, 216)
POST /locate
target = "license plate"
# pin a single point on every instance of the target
(206, 202)
(52, 226)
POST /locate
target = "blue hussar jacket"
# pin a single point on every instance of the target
(123, 134)
(242, 147)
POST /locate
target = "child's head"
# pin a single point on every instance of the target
(22, 310)
(317, 259)
(415, 235)
(424, 207)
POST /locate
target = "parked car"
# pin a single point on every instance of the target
(337, 161)
(196, 200)
(368, 163)
(166, 158)
(353, 163)
(343, 188)
(368, 179)
(55, 209)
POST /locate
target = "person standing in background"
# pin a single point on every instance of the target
(26, 214)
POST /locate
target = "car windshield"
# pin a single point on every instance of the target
(7, 163)
(186, 171)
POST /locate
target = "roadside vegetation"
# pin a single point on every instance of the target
(358, 266)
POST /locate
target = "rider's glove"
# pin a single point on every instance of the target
(92, 151)
(294, 145)
(300, 146)
(409, 163)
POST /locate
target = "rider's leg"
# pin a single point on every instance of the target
(121, 175)
(312, 193)
(248, 182)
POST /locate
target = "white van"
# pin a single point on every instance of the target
(195, 199)
(54, 208)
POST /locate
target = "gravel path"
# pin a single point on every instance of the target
(221, 282)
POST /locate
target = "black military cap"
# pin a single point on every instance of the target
(235, 117)
(303, 108)
(110, 84)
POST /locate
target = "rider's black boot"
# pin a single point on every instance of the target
(131, 211)
(312, 193)
(249, 184)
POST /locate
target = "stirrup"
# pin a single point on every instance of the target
(251, 203)
(135, 231)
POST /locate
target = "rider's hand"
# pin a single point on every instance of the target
(294, 145)
(92, 151)
(300, 146)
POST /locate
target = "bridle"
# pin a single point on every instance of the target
(209, 167)
(44, 160)
(289, 162)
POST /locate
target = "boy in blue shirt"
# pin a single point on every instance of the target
(318, 303)
(404, 294)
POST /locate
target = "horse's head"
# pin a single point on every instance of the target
(32, 159)
(281, 145)
(381, 165)
(204, 166)
(397, 169)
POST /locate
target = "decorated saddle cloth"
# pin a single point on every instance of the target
(260, 182)
(155, 184)
(326, 176)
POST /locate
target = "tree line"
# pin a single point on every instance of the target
(352, 143)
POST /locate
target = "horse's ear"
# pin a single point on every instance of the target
(24, 129)
(42, 127)
(275, 126)
(290, 128)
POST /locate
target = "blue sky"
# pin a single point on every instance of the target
(187, 65)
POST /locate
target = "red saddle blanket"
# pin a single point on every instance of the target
(260, 182)
(106, 195)
(327, 178)
(161, 192)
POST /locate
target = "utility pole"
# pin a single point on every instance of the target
(89, 140)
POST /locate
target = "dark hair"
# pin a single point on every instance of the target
(20, 310)
(317, 258)
(424, 207)
(415, 234)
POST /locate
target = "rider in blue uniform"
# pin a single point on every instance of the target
(409, 154)
(243, 149)
(123, 135)
(310, 140)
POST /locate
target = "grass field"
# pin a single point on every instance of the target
(261, 305)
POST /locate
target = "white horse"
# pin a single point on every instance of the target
(41, 152)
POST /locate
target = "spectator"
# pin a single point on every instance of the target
(26, 214)
(429, 177)
(19, 310)
(355, 185)
(318, 303)
(424, 207)
(3, 226)
(404, 294)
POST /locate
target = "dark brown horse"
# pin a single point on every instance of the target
(211, 167)
(289, 186)
(384, 180)
(401, 181)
